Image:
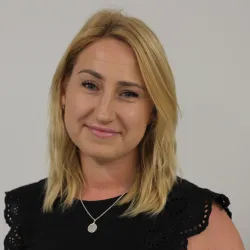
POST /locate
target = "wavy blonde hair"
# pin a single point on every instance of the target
(157, 171)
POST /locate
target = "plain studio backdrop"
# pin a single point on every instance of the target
(208, 47)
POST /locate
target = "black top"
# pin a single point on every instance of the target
(186, 214)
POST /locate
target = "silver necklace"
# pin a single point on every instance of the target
(93, 227)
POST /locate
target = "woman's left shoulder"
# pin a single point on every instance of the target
(203, 216)
(197, 199)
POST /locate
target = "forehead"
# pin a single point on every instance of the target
(110, 56)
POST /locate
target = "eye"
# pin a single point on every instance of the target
(128, 94)
(89, 85)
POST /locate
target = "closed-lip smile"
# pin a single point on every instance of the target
(102, 131)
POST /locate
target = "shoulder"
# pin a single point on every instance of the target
(27, 192)
(21, 207)
(203, 217)
(195, 202)
(19, 199)
(189, 191)
(30, 187)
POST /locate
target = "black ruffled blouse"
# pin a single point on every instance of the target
(186, 214)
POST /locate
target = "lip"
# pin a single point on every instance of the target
(101, 131)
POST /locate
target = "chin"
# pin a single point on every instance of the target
(102, 153)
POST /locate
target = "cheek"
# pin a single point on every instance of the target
(78, 104)
(76, 109)
(136, 118)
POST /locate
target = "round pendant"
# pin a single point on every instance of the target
(92, 227)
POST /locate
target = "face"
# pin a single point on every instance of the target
(107, 107)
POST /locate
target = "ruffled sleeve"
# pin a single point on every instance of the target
(22, 208)
(13, 217)
(197, 204)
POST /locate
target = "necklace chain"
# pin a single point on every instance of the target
(93, 227)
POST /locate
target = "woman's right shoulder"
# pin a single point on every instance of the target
(22, 205)
(28, 191)
(33, 192)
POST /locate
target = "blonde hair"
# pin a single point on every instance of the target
(157, 171)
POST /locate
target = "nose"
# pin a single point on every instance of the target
(105, 110)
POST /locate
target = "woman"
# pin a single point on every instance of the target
(112, 182)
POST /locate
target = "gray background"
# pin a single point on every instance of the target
(208, 46)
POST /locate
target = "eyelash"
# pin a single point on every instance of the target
(85, 83)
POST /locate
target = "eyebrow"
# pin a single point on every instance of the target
(101, 77)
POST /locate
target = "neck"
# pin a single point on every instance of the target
(109, 179)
